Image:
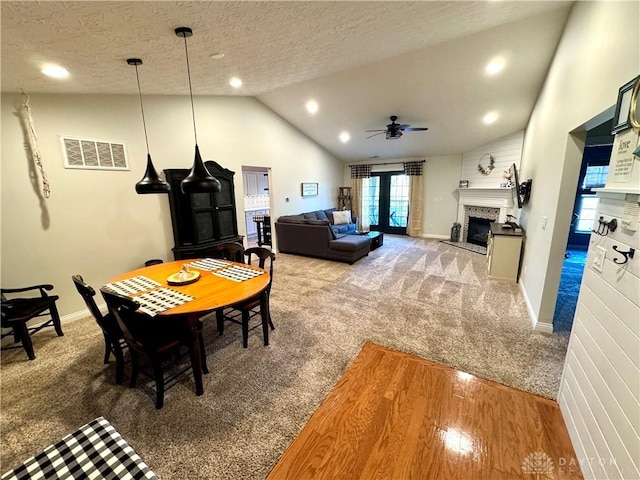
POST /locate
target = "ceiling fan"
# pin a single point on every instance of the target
(394, 130)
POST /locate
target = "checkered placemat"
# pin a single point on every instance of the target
(131, 286)
(238, 274)
(95, 450)
(157, 301)
(210, 264)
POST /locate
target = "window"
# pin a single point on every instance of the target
(587, 213)
(399, 201)
(370, 198)
(595, 177)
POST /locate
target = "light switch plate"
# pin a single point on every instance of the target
(599, 253)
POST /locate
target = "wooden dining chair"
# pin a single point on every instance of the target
(154, 337)
(113, 338)
(233, 251)
(242, 313)
(17, 311)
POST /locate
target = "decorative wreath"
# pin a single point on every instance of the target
(486, 170)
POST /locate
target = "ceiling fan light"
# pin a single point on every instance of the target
(151, 182)
(393, 135)
(199, 179)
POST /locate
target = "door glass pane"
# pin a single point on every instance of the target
(596, 177)
(587, 214)
(371, 198)
(399, 201)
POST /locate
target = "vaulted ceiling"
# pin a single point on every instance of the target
(360, 61)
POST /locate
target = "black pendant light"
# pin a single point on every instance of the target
(151, 182)
(199, 179)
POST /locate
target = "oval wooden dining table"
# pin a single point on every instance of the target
(210, 292)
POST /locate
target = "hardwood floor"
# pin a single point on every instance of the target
(396, 416)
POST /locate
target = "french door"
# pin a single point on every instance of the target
(386, 201)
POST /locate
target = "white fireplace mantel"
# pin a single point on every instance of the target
(501, 198)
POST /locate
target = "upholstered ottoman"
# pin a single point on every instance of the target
(349, 248)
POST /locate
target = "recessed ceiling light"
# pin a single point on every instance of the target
(235, 82)
(55, 71)
(217, 56)
(495, 65)
(490, 117)
(344, 137)
(312, 107)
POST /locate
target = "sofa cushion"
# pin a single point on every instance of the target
(292, 219)
(318, 222)
(342, 217)
(320, 215)
(341, 229)
(349, 243)
(310, 216)
(329, 213)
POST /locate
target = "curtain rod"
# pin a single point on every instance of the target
(390, 163)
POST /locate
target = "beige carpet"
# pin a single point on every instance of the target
(419, 296)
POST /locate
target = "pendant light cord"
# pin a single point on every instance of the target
(193, 112)
(144, 124)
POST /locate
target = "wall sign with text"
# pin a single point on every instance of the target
(309, 189)
(623, 157)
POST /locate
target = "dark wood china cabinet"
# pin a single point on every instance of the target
(201, 221)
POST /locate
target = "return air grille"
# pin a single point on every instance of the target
(93, 154)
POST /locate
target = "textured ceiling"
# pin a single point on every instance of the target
(362, 61)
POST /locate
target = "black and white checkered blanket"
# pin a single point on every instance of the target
(94, 451)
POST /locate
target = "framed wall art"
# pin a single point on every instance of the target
(634, 112)
(309, 189)
(622, 117)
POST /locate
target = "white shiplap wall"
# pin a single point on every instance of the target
(600, 389)
(506, 151)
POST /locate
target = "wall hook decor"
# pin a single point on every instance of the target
(605, 227)
(627, 255)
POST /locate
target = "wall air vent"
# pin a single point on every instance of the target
(93, 154)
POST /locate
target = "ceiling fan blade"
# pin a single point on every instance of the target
(414, 129)
(375, 130)
(379, 133)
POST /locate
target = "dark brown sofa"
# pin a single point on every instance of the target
(316, 238)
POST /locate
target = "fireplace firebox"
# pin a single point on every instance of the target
(478, 231)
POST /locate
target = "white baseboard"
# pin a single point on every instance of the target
(83, 314)
(436, 237)
(71, 317)
(537, 326)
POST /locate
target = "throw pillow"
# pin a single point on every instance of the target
(320, 215)
(318, 222)
(341, 217)
(310, 216)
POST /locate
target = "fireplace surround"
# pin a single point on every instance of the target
(492, 204)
